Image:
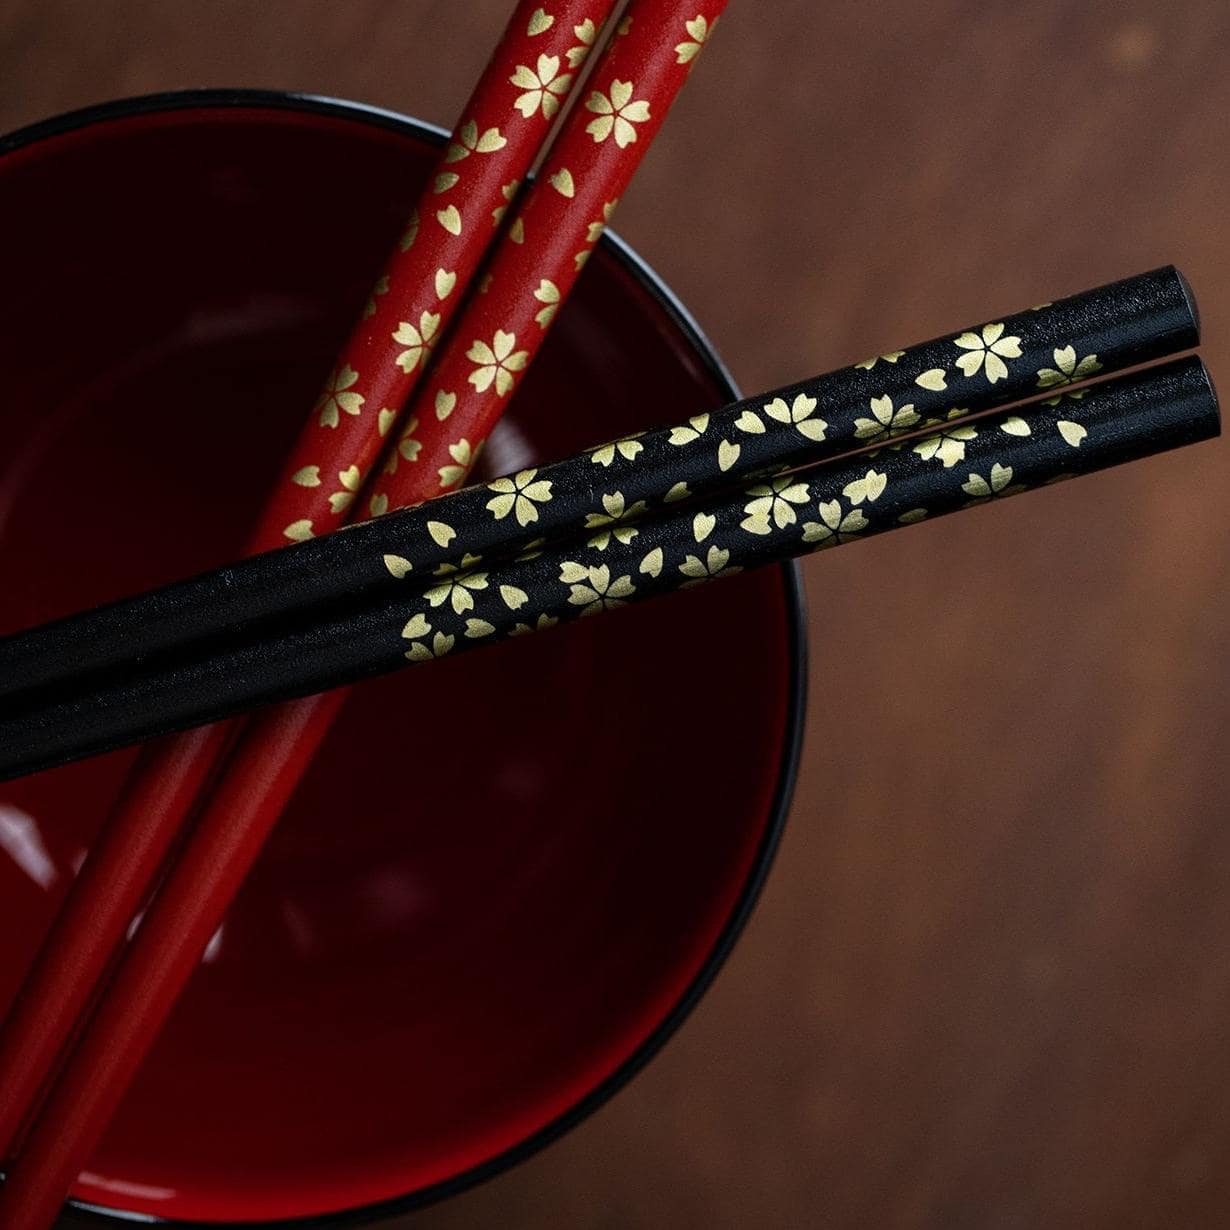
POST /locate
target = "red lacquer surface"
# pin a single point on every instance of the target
(426, 966)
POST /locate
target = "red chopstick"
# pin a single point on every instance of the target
(550, 234)
(493, 146)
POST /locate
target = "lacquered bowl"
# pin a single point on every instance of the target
(508, 876)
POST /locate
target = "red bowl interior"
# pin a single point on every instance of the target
(504, 872)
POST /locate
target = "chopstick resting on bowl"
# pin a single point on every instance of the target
(1095, 332)
(420, 290)
(550, 232)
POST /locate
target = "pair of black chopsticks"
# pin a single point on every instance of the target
(642, 516)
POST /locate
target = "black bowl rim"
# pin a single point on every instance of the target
(796, 625)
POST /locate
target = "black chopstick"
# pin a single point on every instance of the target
(961, 463)
(1050, 346)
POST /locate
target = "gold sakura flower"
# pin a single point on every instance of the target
(519, 495)
(418, 341)
(463, 458)
(593, 588)
(1067, 371)
(423, 651)
(417, 629)
(627, 448)
(713, 565)
(455, 588)
(609, 523)
(989, 349)
(334, 397)
(547, 293)
(833, 529)
(543, 88)
(982, 490)
(772, 505)
(339, 501)
(469, 141)
(586, 32)
(696, 427)
(407, 446)
(616, 113)
(891, 357)
(948, 444)
(887, 421)
(496, 363)
(799, 414)
(699, 30)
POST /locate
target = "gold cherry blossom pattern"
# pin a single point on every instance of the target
(417, 630)
(418, 341)
(520, 495)
(471, 141)
(507, 191)
(547, 293)
(833, 528)
(544, 86)
(834, 504)
(772, 505)
(891, 357)
(870, 487)
(986, 351)
(563, 183)
(698, 30)
(408, 446)
(983, 489)
(715, 564)
(886, 420)
(627, 448)
(1067, 370)
(618, 113)
(689, 432)
(594, 589)
(350, 479)
(445, 404)
(458, 585)
(799, 415)
(947, 446)
(585, 33)
(495, 364)
(611, 522)
(339, 396)
(540, 22)
(463, 455)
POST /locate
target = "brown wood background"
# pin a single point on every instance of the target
(989, 982)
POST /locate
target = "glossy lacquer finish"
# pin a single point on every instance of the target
(506, 874)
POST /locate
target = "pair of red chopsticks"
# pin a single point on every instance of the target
(419, 385)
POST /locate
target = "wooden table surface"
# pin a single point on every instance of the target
(988, 984)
